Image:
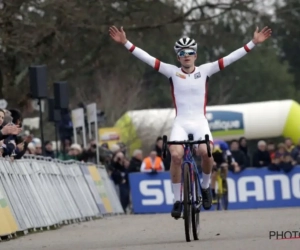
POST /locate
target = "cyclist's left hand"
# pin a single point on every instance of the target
(261, 36)
(118, 36)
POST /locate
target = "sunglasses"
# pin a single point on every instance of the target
(186, 52)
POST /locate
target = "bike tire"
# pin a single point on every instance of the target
(219, 202)
(195, 215)
(187, 202)
(225, 196)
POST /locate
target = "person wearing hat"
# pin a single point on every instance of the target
(49, 149)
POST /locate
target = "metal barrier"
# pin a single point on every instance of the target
(38, 193)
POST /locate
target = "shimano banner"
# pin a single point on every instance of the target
(252, 188)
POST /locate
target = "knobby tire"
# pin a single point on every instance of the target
(196, 216)
(186, 202)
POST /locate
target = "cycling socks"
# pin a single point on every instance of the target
(176, 190)
(205, 180)
(176, 186)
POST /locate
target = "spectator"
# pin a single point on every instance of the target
(288, 163)
(271, 149)
(115, 148)
(90, 154)
(12, 145)
(7, 129)
(64, 150)
(158, 146)
(75, 151)
(49, 149)
(123, 147)
(244, 149)
(30, 149)
(120, 178)
(289, 145)
(158, 149)
(296, 153)
(105, 155)
(261, 157)
(38, 146)
(237, 154)
(152, 163)
(282, 160)
(136, 161)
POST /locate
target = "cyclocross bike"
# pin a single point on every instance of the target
(222, 191)
(190, 182)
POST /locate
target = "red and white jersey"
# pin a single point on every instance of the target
(189, 91)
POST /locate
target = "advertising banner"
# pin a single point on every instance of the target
(252, 188)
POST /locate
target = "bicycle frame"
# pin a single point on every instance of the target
(188, 158)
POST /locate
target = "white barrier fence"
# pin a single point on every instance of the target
(40, 193)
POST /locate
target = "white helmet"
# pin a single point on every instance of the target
(185, 43)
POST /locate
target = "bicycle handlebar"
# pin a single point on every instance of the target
(186, 142)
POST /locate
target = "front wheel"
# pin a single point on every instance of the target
(195, 213)
(187, 202)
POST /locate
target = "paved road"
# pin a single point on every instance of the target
(232, 230)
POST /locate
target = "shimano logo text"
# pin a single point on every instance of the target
(157, 192)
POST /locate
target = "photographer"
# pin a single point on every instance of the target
(6, 126)
(119, 168)
(90, 154)
(13, 145)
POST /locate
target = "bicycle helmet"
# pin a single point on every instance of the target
(185, 43)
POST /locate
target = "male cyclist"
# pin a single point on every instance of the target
(189, 92)
(222, 159)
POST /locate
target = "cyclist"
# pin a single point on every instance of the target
(222, 158)
(189, 92)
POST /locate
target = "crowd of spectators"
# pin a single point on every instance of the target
(281, 157)
(14, 143)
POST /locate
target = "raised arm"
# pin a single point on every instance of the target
(259, 37)
(119, 36)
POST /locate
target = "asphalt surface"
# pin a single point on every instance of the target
(232, 230)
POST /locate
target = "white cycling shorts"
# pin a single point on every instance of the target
(182, 127)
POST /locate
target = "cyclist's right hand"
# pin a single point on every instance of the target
(118, 36)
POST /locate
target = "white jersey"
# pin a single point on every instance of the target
(189, 91)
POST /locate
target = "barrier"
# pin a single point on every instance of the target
(38, 193)
(252, 188)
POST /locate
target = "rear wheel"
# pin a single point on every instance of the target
(187, 202)
(195, 214)
(224, 199)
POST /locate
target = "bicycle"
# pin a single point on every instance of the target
(189, 177)
(222, 191)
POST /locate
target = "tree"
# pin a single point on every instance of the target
(287, 36)
(71, 36)
(259, 76)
